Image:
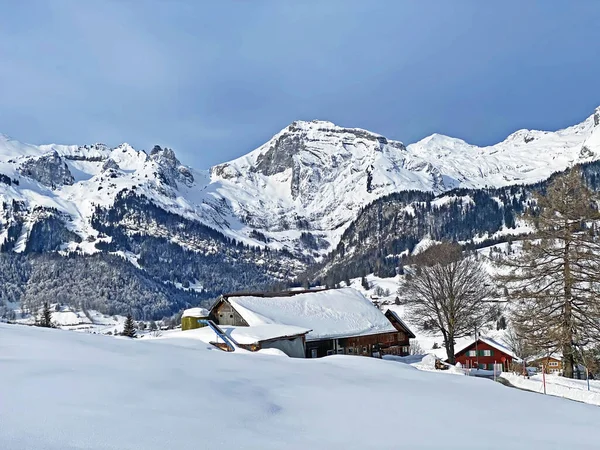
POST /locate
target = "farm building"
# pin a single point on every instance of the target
(190, 318)
(341, 321)
(484, 353)
(552, 364)
(284, 338)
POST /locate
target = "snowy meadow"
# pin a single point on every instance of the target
(65, 390)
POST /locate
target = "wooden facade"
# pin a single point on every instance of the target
(223, 313)
(484, 355)
(391, 343)
(550, 364)
(385, 343)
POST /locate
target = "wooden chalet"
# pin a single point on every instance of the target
(485, 353)
(551, 364)
(341, 321)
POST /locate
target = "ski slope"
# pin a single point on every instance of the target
(65, 390)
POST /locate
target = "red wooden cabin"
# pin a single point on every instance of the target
(484, 353)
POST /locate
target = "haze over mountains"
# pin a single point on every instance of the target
(264, 217)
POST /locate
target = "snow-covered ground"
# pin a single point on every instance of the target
(559, 387)
(67, 318)
(62, 390)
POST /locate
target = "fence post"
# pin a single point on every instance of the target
(587, 375)
(544, 377)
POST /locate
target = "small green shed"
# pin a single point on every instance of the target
(189, 319)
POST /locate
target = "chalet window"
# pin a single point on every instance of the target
(472, 353)
(350, 350)
(365, 350)
(488, 353)
(231, 316)
(553, 363)
(482, 366)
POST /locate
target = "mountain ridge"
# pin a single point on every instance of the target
(269, 215)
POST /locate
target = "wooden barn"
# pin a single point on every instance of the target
(342, 321)
(280, 338)
(485, 353)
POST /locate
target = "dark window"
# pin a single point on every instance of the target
(231, 316)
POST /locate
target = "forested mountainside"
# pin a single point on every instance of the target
(347, 199)
(103, 282)
(154, 263)
(390, 228)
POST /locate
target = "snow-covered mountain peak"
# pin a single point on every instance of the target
(441, 141)
(299, 190)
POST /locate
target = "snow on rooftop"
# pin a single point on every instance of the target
(333, 313)
(492, 343)
(195, 312)
(241, 335)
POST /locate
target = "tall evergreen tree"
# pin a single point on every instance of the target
(364, 283)
(46, 319)
(554, 281)
(129, 328)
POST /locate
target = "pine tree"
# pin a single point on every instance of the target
(364, 283)
(46, 319)
(554, 281)
(129, 328)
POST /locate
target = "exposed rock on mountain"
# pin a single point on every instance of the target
(49, 170)
(313, 189)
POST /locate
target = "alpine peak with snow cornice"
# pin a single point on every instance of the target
(298, 191)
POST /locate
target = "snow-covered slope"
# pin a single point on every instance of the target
(299, 191)
(64, 390)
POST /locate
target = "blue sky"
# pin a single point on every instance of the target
(216, 79)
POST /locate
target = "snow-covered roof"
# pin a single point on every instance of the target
(397, 317)
(196, 312)
(334, 313)
(242, 335)
(491, 343)
(556, 355)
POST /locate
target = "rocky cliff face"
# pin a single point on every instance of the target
(49, 170)
(171, 169)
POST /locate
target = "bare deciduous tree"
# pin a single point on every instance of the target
(446, 294)
(554, 280)
(517, 340)
(415, 348)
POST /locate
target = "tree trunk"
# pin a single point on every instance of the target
(567, 329)
(449, 344)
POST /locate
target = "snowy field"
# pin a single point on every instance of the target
(558, 386)
(65, 390)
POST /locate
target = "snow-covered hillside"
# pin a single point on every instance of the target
(64, 390)
(298, 191)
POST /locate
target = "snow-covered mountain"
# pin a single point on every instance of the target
(298, 191)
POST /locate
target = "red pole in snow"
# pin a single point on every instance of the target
(544, 377)
(587, 376)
